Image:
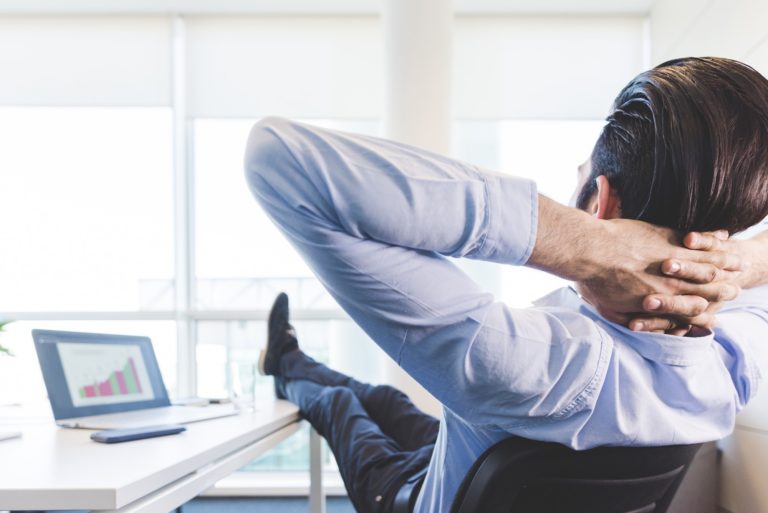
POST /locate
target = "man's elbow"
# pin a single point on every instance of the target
(266, 154)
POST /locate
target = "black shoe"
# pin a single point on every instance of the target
(281, 337)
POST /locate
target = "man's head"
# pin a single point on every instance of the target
(686, 147)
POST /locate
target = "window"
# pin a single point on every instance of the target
(242, 265)
(108, 119)
(242, 260)
(85, 195)
(546, 151)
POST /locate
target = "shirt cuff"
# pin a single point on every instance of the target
(513, 210)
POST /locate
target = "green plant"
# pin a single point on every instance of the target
(4, 350)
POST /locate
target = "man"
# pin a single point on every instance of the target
(684, 148)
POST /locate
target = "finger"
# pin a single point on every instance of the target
(718, 291)
(707, 319)
(714, 307)
(704, 241)
(680, 306)
(651, 324)
(721, 259)
(659, 325)
(691, 271)
(722, 235)
(701, 241)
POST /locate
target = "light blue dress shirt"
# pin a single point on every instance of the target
(376, 219)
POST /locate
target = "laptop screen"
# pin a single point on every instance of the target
(92, 374)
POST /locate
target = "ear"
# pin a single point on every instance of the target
(607, 204)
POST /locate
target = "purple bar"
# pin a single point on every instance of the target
(135, 375)
(121, 382)
(90, 391)
(105, 388)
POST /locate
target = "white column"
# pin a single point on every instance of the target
(418, 51)
(418, 37)
(183, 216)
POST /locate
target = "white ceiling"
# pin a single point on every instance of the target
(528, 7)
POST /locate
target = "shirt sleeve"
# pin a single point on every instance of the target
(400, 195)
(742, 337)
(374, 219)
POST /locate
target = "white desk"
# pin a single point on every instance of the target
(54, 468)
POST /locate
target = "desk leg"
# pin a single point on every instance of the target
(316, 495)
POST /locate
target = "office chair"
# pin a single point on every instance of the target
(521, 476)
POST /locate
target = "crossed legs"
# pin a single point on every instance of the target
(379, 438)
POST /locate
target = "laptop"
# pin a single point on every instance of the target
(98, 381)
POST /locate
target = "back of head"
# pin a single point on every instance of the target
(686, 146)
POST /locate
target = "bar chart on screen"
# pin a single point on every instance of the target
(120, 382)
(105, 374)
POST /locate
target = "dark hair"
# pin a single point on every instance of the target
(686, 146)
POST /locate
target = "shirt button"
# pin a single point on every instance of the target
(378, 498)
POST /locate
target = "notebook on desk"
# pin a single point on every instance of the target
(98, 381)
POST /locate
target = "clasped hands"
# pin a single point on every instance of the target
(654, 279)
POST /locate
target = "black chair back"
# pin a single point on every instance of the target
(522, 476)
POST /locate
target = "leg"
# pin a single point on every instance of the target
(388, 407)
(400, 418)
(372, 465)
(316, 494)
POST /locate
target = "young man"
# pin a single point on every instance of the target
(684, 148)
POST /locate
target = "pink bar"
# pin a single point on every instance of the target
(105, 388)
(90, 391)
(121, 382)
(135, 374)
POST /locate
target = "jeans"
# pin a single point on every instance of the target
(378, 436)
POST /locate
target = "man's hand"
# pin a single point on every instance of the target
(635, 263)
(753, 254)
(617, 263)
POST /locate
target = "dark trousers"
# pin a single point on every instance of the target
(378, 436)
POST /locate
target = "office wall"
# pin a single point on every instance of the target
(726, 28)
(735, 29)
(544, 67)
